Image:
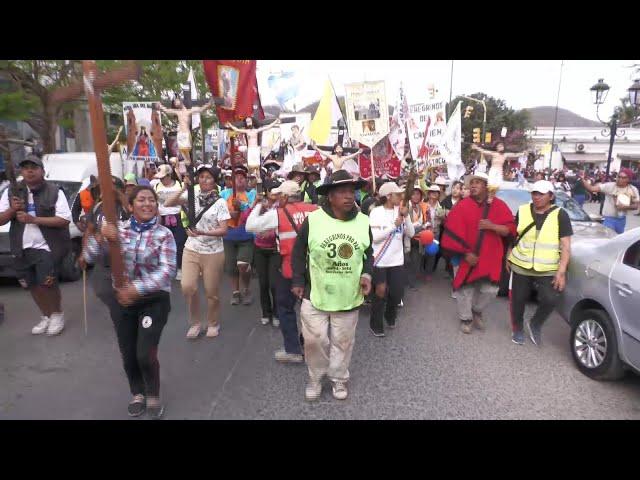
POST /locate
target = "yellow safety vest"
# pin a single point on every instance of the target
(537, 251)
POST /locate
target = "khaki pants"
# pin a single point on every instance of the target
(211, 265)
(324, 355)
(475, 298)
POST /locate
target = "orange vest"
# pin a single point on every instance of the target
(287, 234)
(86, 200)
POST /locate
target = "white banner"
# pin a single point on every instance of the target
(195, 118)
(451, 145)
(397, 132)
(367, 112)
(428, 118)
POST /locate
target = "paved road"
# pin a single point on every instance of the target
(424, 369)
(633, 221)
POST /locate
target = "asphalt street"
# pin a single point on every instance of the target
(424, 369)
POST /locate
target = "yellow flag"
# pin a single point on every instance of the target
(327, 116)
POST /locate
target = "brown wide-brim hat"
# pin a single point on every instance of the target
(297, 168)
(337, 179)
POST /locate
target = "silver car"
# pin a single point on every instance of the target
(601, 303)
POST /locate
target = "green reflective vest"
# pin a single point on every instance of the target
(336, 257)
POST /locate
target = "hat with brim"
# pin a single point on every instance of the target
(32, 159)
(338, 179)
(389, 188)
(433, 188)
(241, 169)
(297, 168)
(163, 171)
(478, 175)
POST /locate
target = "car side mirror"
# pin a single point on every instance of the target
(596, 217)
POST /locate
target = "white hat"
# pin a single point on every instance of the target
(441, 181)
(288, 188)
(478, 175)
(389, 188)
(542, 186)
(163, 171)
(433, 188)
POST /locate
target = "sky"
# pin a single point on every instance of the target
(521, 83)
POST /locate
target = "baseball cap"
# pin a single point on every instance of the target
(389, 188)
(288, 187)
(542, 186)
(130, 179)
(163, 171)
(32, 159)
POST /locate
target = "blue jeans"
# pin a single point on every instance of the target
(285, 306)
(580, 198)
(615, 223)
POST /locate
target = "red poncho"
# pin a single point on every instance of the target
(461, 234)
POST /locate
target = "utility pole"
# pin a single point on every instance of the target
(555, 120)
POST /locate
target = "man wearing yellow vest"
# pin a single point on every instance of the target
(539, 258)
(332, 265)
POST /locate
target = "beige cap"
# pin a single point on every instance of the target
(542, 186)
(389, 188)
(288, 187)
(163, 171)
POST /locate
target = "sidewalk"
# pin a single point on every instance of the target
(633, 221)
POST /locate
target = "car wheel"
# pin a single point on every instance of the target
(69, 269)
(594, 346)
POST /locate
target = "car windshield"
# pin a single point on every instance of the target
(515, 198)
(70, 189)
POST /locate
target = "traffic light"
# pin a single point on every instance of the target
(476, 135)
(467, 111)
(487, 137)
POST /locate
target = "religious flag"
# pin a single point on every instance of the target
(235, 82)
(397, 131)
(327, 116)
(285, 86)
(195, 118)
(385, 160)
(451, 145)
(367, 111)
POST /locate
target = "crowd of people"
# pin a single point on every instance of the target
(334, 245)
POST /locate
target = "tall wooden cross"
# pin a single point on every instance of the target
(91, 85)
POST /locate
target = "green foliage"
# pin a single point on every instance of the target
(16, 105)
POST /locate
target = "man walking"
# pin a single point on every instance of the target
(539, 258)
(39, 237)
(287, 220)
(475, 230)
(332, 266)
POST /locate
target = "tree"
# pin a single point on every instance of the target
(498, 115)
(25, 92)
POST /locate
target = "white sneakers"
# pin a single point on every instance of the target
(50, 325)
(264, 321)
(179, 275)
(340, 390)
(276, 322)
(213, 331)
(284, 357)
(193, 331)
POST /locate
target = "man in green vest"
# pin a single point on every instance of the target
(539, 258)
(332, 265)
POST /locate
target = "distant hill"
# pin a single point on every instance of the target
(543, 117)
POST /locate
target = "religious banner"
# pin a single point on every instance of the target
(144, 134)
(397, 128)
(451, 145)
(385, 161)
(235, 82)
(427, 128)
(323, 128)
(367, 112)
(285, 86)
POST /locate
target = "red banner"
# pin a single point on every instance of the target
(385, 160)
(235, 82)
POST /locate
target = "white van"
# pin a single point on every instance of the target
(67, 170)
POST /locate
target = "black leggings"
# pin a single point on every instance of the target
(387, 306)
(138, 328)
(267, 262)
(521, 286)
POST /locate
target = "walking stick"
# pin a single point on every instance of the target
(84, 297)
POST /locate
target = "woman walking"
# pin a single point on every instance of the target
(203, 251)
(149, 252)
(390, 223)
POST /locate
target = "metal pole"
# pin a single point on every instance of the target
(555, 119)
(450, 88)
(484, 123)
(614, 129)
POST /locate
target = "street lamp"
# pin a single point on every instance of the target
(599, 92)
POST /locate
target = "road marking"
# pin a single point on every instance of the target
(214, 403)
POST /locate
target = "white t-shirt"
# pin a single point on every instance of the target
(211, 219)
(382, 222)
(32, 236)
(164, 193)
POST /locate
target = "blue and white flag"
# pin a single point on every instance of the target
(285, 86)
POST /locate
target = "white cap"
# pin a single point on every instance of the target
(433, 188)
(478, 175)
(389, 188)
(441, 181)
(542, 186)
(288, 188)
(163, 171)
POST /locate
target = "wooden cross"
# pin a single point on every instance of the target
(91, 85)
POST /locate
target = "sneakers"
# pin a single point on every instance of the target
(283, 357)
(179, 275)
(534, 333)
(137, 406)
(247, 298)
(518, 337)
(194, 331)
(264, 321)
(340, 390)
(478, 322)
(155, 412)
(56, 324)
(213, 331)
(313, 391)
(377, 333)
(276, 322)
(41, 327)
(236, 297)
(401, 304)
(465, 326)
(454, 295)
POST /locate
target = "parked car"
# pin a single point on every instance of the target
(585, 226)
(601, 303)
